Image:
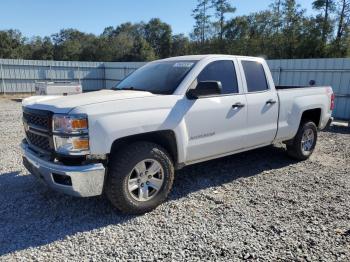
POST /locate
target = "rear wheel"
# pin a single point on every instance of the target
(303, 144)
(140, 178)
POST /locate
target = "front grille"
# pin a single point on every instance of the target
(42, 142)
(42, 120)
(38, 129)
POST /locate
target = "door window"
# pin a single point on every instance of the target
(255, 76)
(222, 71)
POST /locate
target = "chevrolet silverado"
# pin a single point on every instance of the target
(127, 142)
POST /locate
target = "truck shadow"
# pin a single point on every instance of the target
(32, 215)
(225, 170)
(338, 130)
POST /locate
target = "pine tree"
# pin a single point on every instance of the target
(202, 17)
(292, 17)
(328, 7)
(343, 17)
(276, 10)
(341, 43)
(222, 7)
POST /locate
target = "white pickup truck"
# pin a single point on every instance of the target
(126, 142)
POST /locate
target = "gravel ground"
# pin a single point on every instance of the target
(259, 205)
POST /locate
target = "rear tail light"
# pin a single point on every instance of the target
(332, 96)
(332, 101)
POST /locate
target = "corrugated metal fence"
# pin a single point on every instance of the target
(18, 76)
(115, 71)
(328, 72)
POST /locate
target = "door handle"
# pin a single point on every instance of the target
(271, 102)
(238, 105)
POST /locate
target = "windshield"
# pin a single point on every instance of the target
(159, 77)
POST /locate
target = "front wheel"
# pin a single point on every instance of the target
(140, 178)
(303, 144)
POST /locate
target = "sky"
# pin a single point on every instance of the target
(46, 17)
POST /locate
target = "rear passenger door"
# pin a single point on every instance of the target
(216, 124)
(262, 103)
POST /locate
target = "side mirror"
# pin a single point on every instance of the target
(205, 89)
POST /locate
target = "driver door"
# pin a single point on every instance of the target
(216, 124)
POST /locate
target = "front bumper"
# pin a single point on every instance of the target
(84, 181)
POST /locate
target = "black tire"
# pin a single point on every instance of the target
(121, 165)
(294, 148)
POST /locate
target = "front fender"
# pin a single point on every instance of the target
(111, 121)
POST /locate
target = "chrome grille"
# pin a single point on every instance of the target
(38, 129)
(39, 141)
(42, 121)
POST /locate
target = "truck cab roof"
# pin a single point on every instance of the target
(208, 56)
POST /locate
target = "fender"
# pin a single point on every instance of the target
(138, 116)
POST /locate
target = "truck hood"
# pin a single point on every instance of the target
(64, 104)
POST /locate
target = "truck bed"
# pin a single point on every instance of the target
(296, 99)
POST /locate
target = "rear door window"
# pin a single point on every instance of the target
(255, 76)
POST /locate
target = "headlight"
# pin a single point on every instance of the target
(73, 145)
(70, 134)
(70, 124)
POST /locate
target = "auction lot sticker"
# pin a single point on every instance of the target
(184, 64)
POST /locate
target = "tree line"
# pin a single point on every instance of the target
(284, 30)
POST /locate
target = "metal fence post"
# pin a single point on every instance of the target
(2, 80)
(104, 76)
(50, 72)
(79, 75)
(279, 75)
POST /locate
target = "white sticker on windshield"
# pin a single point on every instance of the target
(184, 64)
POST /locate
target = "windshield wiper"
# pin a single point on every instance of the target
(132, 89)
(126, 88)
(129, 88)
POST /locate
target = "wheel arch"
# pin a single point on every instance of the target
(164, 138)
(313, 115)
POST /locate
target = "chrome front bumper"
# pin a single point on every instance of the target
(81, 181)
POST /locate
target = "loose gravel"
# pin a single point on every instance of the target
(258, 205)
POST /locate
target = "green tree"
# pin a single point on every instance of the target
(108, 32)
(159, 35)
(12, 44)
(311, 45)
(69, 44)
(250, 35)
(116, 43)
(327, 7)
(40, 48)
(292, 17)
(237, 35)
(126, 42)
(277, 23)
(340, 46)
(180, 45)
(282, 31)
(222, 8)
(343, 10)
(202, 21)
(142, 51)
